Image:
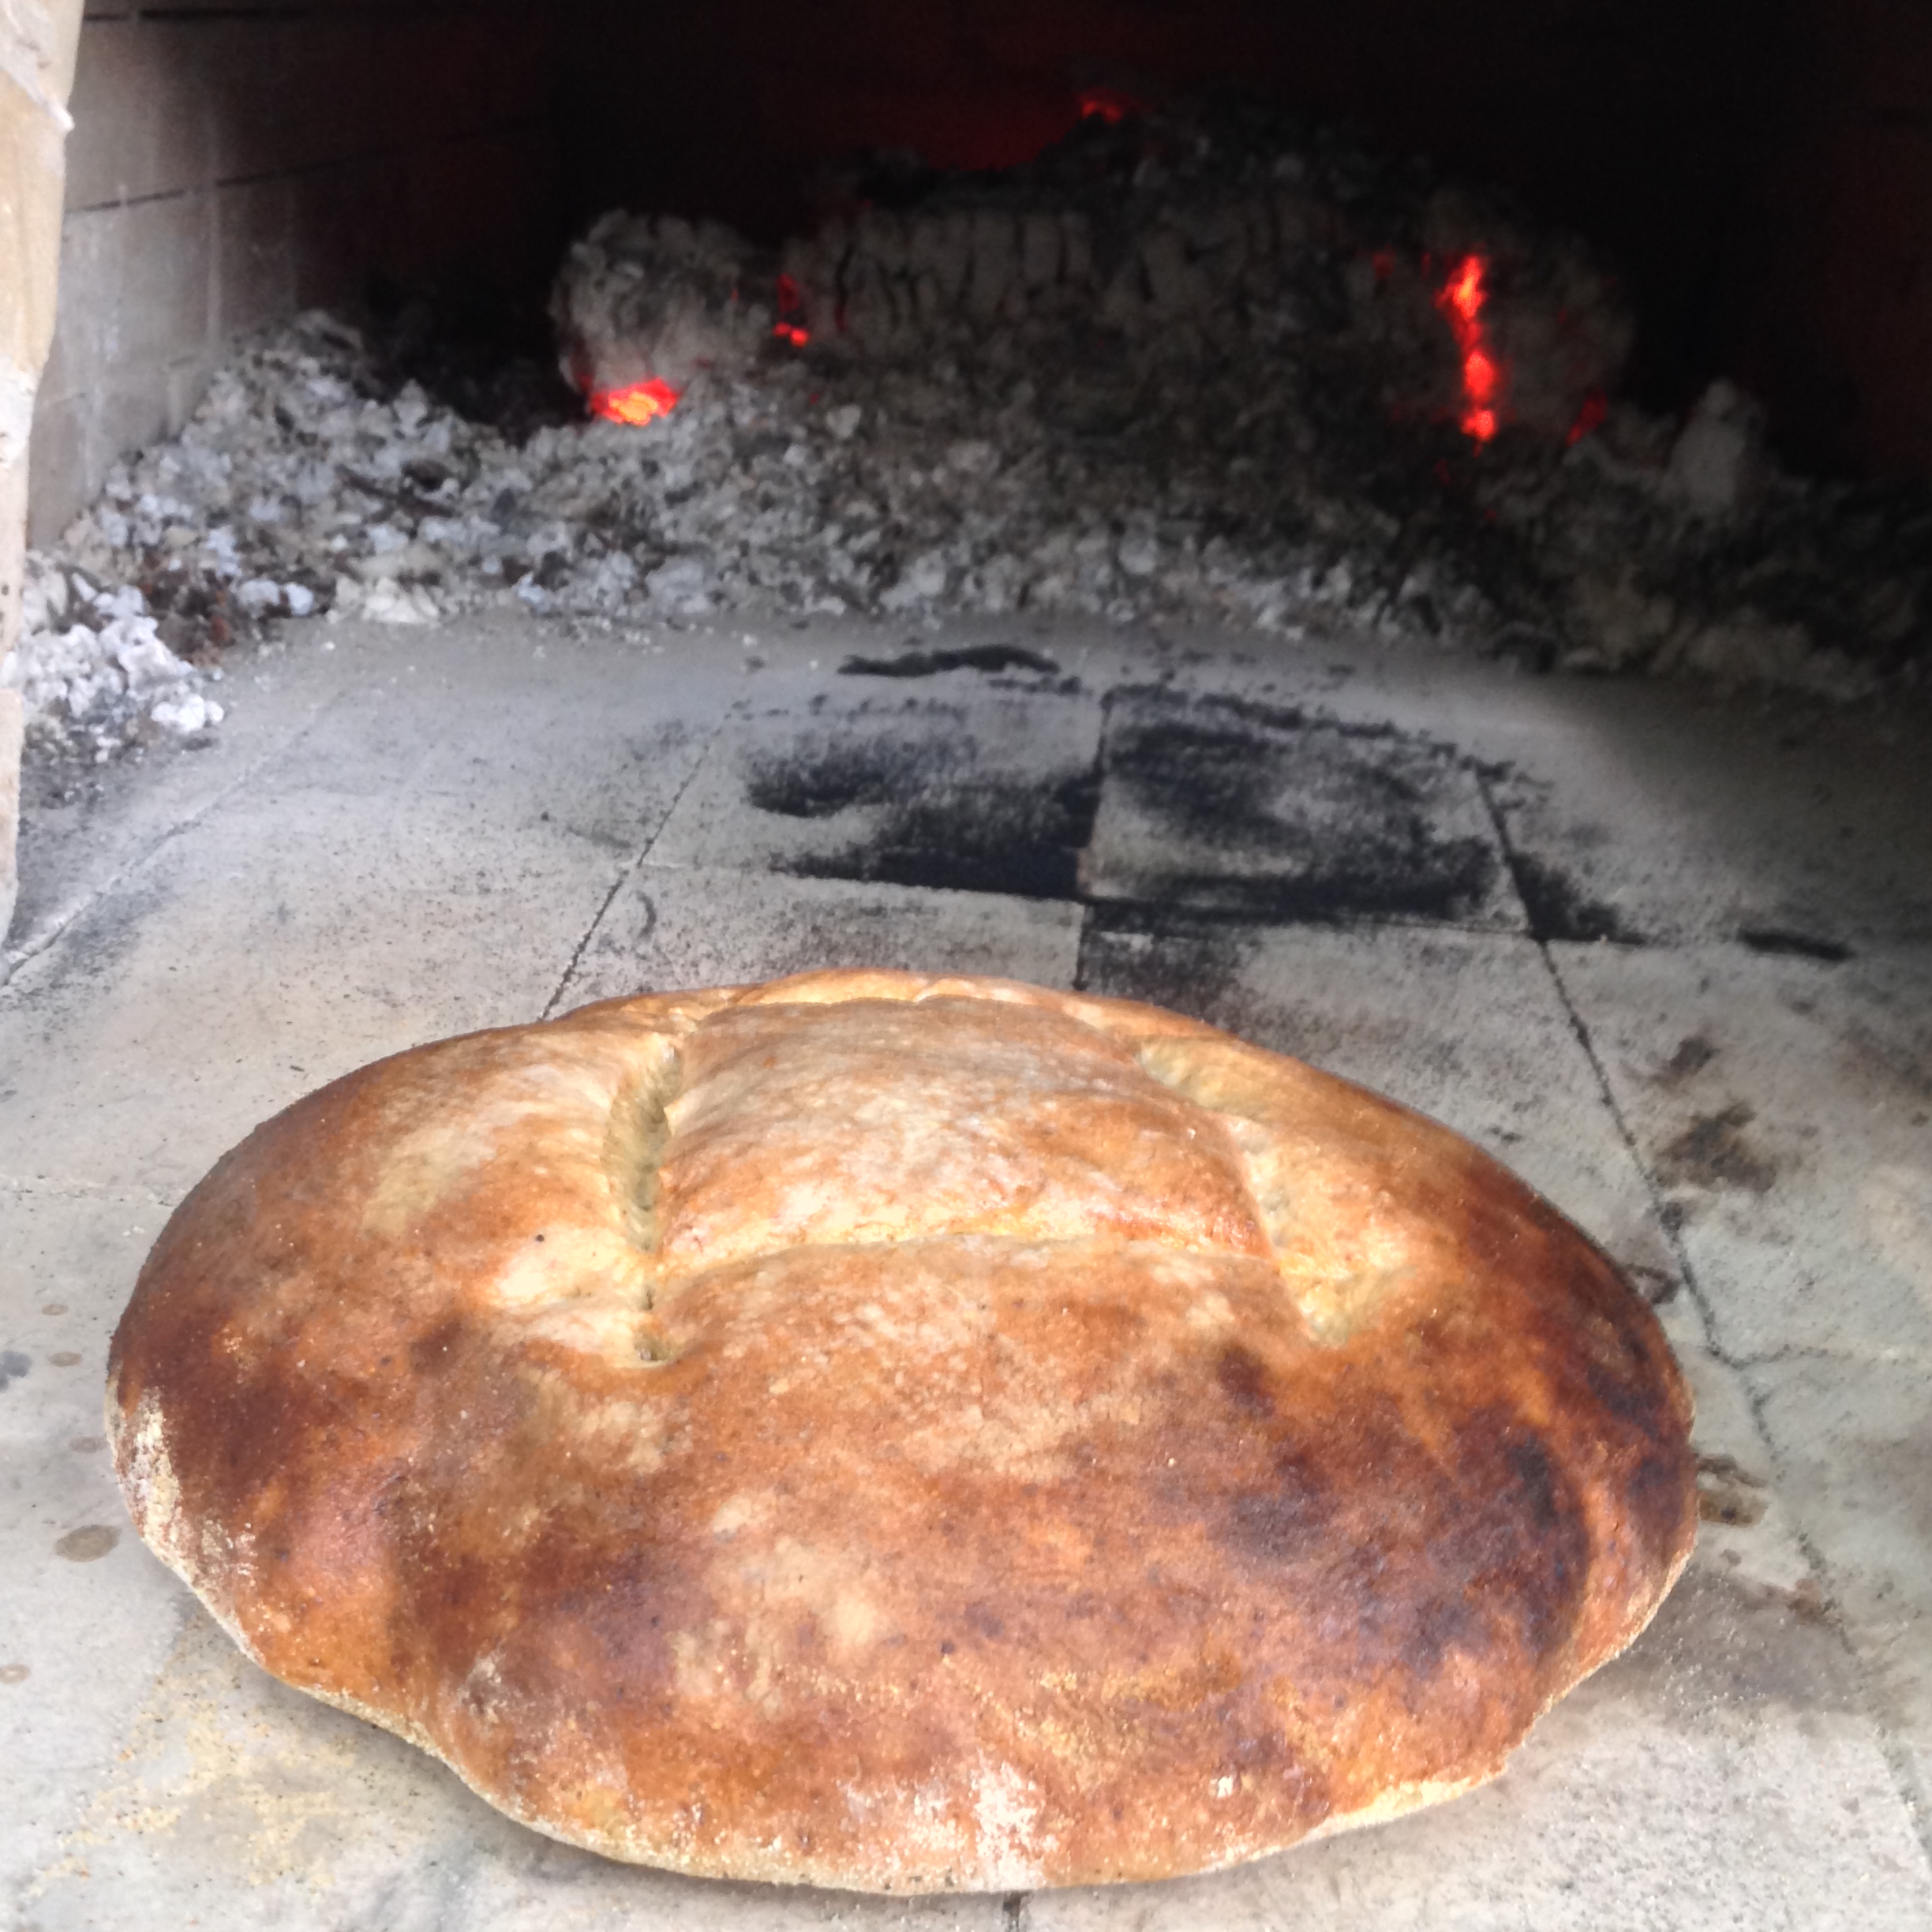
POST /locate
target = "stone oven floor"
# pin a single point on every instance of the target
(1670, 958)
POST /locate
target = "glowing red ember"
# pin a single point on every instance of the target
(635, 402)
(1589, 418)
(1108, 104)
(1461, 300)
(791, 306)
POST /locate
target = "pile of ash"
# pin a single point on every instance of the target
(1208, 367)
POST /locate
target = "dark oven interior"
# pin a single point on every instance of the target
(1760, 176)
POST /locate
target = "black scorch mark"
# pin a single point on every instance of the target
(1223, 806)
(921, 664)
(1714, 1151)
(938, 816)
(1794, 945)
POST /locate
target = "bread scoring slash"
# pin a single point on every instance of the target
(901, 1433)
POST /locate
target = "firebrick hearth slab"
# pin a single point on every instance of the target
(91, 825)
(1783, 1108)
(1470, 1028)
(79, 1641)
(700, 926)
(385, 880)
(435, 830)
(1854, 1444)
(1658, 816)
(1218, 803)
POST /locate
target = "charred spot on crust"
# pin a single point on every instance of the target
(1537, 1474)
(983, 1620)
(1611, 1348)
(1659, 1495)
(582, 1605)
(430, 1352)
(1518, 1538)
(1244, 1380)
(1278, 1524)
(1621, 1374)
(1492, 1565)
(1484, 1548)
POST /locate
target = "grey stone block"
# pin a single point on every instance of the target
(1854, 1444)
(1780, 1105)
(159, 303)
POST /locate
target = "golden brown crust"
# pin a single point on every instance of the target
(902, 1434)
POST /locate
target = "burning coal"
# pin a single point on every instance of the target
(638, 402)
(1462, 299)
(788, 328)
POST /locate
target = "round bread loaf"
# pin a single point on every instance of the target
(904, 1434)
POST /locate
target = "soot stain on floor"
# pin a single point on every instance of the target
(1554, 904)
(1713, 1151)
(1254, 809)
(941, 818)
(1233, 809)
(1794, 945)
(1559, 908)
(1693, 1053)
(923, 663)
(1189, 965)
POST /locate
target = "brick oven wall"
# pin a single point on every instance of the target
(230, 165)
